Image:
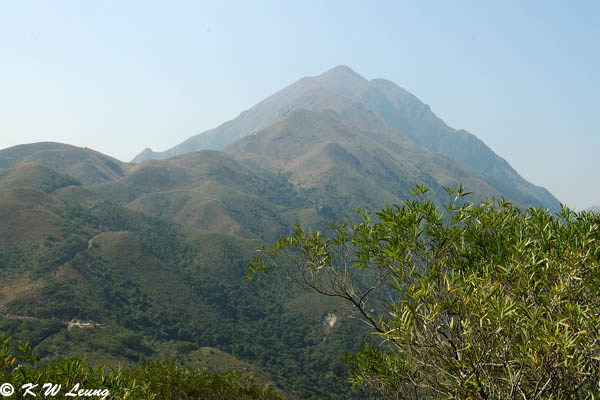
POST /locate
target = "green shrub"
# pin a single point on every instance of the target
(153, 380)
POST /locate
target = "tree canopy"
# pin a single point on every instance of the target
(470, 301)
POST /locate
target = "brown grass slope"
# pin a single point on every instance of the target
(357, 164)
(211, 191)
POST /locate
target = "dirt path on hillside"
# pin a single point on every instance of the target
(92, 239)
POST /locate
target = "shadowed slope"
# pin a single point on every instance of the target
(408, 114)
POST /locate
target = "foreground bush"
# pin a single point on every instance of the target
(469, 301)
(154, 380)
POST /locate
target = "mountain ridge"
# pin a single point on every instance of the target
(360, 167)
(343, 90)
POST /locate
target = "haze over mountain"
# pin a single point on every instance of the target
(382, 110)
(594, 209)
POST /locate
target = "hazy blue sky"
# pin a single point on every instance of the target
(121, 76)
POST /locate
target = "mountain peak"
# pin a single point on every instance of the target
(342, 70)
(342, 80)
(342, 73)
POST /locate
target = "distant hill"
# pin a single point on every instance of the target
(85, 165)
(382, 108)
(594, 209)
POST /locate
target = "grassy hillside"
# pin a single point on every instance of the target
(81, 275)
(85, 165)
(341, 166)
